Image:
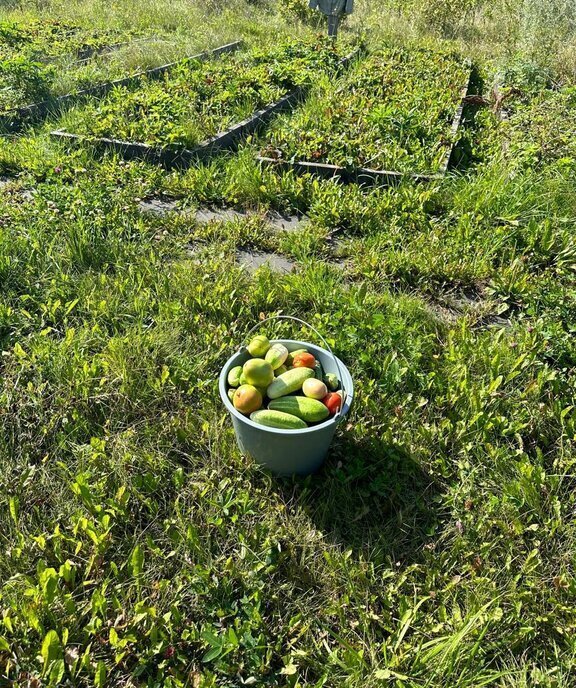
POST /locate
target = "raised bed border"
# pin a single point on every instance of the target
(111, 48)
(86, 54)
(9, 120)
(364, 176)
(225, 140)
(370, 177)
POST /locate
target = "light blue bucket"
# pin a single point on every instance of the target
(288, 452)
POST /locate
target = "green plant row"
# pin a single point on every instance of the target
(23, 81)
(393, 112)
(50, 39)
(38, 60)
(196, 100)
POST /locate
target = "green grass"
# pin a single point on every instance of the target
(437, 546)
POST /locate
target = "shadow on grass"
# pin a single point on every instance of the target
(373, 498)
(464, 155)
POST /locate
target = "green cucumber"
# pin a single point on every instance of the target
(331, 381)
(319, 371)
(310, 410)
(278, 419)
(234, 376)
(276, 355)
(288, 382)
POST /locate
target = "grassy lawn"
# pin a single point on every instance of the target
(437, 546)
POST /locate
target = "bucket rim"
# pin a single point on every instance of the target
(334, 420)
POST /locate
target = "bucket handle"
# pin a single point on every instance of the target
(310, 327)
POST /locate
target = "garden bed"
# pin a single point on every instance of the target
(168, 157)
(45, 41)
(34, 57)
(381, 112)
(265, 73)
(13, 117)
(44, 61)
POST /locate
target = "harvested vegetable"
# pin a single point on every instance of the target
(333, 402)
(315, 389)
(278, 419)
(247, 399)
(309, 410)
(304, 360)
(289, 382)
(258, 346)
(279, 396)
